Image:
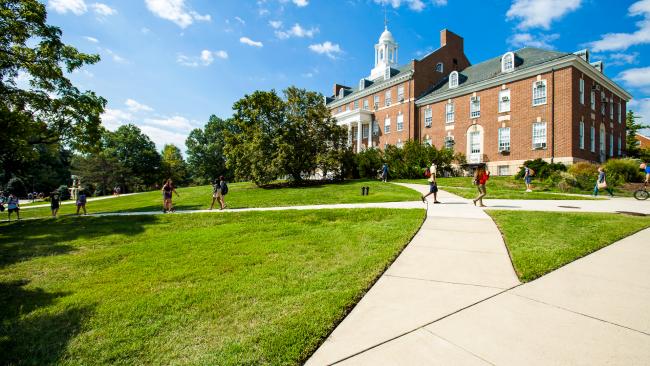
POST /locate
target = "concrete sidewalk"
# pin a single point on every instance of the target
(457, 259)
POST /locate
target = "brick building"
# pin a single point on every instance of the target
(521, 105)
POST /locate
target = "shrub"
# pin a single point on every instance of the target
(64, 193)
(620, 171)
(369, 162)
(585, 174)
(563, 180)
(542, 169)
(17, 187)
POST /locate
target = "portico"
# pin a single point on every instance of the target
(361, 120)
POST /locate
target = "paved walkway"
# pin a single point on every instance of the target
(452, 298)
(70, 202)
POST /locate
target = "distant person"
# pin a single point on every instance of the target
(13, 205)
(222, 192)
(55, 203)
(433, 184)
(646, 169)
(168, 190)
(118, 190)
(384, 173)
(3, 201)
(481, 177)
(528, 177)
(216, 193)
(601, 183)
(81, 201)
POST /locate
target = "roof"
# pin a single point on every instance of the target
(353, 93)
(524, 58)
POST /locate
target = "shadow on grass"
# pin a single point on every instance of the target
(22, 240)
(28, 336)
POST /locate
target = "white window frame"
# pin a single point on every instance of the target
(366, 105)
(593, 100)
(603, 101)
(475, 107)
(388, 98)
(341, 93)
(611, 108)
(611, 144)
(440, 67)
(365, 131)
(453, 80)
(602, 145)
(539, 135)
(592, 139)
(387, 124)
(400, 122)
(503, 170)
(581, 132)
(400, 93)
(356, 104)
(582, 91)
(504, 139)
(449, 112)
(619, 144)
(387, 73)
(504, 106)
(508, 62)
(427, 141)
(449, 142)
(619, 111)
(539, 99)
(376, 102)
(362, 84)
(428, 117)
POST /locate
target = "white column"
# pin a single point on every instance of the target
(359, 134)
(370, 134)
(349, 134)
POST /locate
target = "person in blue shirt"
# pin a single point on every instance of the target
(81, 201)
(384, 173)
(13, 205)
(647, 175)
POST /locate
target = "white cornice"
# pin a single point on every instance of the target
(568, 61)
(371, 90)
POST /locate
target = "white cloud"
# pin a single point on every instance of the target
(103, 9)
(622, 41)
(240, 20)
(528, 40)
(301, 3)
(275, 24)
(540, 13)
(117, 58)
(636, 78)
(641, 107)
(91, 39)
(178, 123)
(114, 118)
(619, 59)
(296, 31)
(416, 5)
(162, 136)
(77, 7)
(135, 106)
(250, 42)
(175, 11)
(326, 48)
(205, 58)
(221, 54)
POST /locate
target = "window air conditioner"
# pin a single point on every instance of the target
(540, 145)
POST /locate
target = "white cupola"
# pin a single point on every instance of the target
(385, 54)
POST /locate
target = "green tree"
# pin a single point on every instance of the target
(173, 165)
(51, 110)
(631, 144)
(137, 154)
(100, 169)
(205, 150)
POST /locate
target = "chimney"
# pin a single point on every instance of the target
(448, 37)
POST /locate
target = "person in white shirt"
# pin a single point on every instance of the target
(433, 184)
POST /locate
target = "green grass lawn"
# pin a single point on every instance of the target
(540, 242)
(240, 289)
(500, 187)
(242, 195)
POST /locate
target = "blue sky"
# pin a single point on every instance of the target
(167, 65)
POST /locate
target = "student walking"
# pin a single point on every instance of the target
(384, 173)
(13, 205)
(481, 177)
(601, 183)
(223, 189)
(55, 202)
(528, 177)
(168, 189)
(81, 201)
(217, 193)
(433, 184)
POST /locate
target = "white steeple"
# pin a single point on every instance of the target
(385, 53)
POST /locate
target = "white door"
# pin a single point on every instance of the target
(475, 147)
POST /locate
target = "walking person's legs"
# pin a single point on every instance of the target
(481, 194)
(610, 191)
(596, 190)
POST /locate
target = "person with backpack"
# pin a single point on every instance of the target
(431, 174)
(528, 177)
(216, 193)
(55, 203)
(481, 177)
(81, 201)
(223, 191)
(13, 205)
(384, 173)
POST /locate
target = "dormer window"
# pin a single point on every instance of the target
(387, 74)
(453, 79)
(439, 67)
(341, 93)
(362, 84)
(508, 62)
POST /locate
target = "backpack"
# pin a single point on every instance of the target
(224, 190)
(427, 173)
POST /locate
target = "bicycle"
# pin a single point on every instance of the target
(641, 194)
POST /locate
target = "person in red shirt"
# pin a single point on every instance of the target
(481, 177)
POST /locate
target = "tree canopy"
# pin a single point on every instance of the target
(205, 150)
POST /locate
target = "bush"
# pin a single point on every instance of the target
(17, 187)
(563, 180)
(543, 170)
(620, 171)
(585, 174)
(64, 193)
(369, 162)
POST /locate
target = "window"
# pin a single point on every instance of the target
(364, 131)
(592, 139)
(375, 128)
(504, 101)
(356, 104)
(611, 109)
(400, 121)
(504, 139)
(611, 144)
(387, 125)
(450, 113)
(453, 79)
(388, 98)
(439, 67)
(603, 102)
(582, 135)
(539, 135)
(449, 142)
(362, 84)
(387, 74)
(474, 107)
(619, 145)
(341, 93)
(508, 62)
(619, 111)
(582, 91)
(539, 92)
(400, 93)
(602, 141)
(475, 146)
(503, 170)
(427, 141)
(345, 107)
(428, 117)
(340, 109)
(593, 100)
(399, 144)
(376, 101)
(365, 104)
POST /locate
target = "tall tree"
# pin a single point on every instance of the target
(137, 153)
(173, 164)
(632, 126)
(205, 150)
(51, 110)
(102, 170)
